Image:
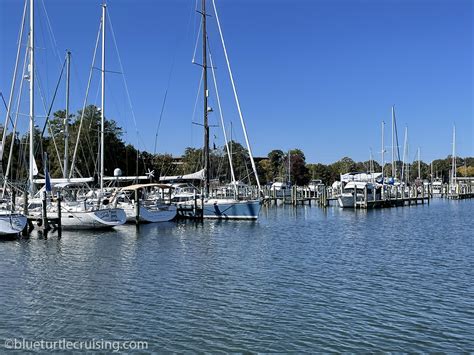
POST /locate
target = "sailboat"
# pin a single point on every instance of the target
(212, 207)
(86, 213)
(12, 222)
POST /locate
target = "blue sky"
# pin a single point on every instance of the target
(315, 75)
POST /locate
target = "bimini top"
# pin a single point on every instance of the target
(142, 186)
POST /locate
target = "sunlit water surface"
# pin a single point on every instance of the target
(299, 279)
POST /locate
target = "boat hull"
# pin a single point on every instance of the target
(94, 219)
(231, 209)
(12, 223)
(152, 214)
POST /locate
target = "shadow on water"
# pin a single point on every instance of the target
(9, 238)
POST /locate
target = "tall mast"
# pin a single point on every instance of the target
(66, 118)
(383, 151)
(102, 109)
(431, 171)
(371, 163)
(206, 93)
(453, 173)
(32, 97)
(419, 164)
(405, 155)
(252, 160)
(394, 174)
(289, 167)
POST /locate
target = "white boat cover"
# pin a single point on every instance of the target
(142, 186)
(65, 180)
(125, 178)
(362, 177)
(198, 175)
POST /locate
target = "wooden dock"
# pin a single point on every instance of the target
(393, 202)
(393, 197)
(460, 191)
(43, 221)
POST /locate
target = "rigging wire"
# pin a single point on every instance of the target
(124, 78)
(85, 102)
(12, 88)
(222, 121)
(196, 45)
(236, 97)
(197, 99)
(51, 32)
(168, 85)
(18, 103)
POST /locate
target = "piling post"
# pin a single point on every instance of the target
(44, 214)
(365, 197)
(25, 203)
(137, 208)
(58, 198)
(27, 228)
(13, 199)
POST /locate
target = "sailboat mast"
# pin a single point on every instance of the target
(32, 97)
(431, 172)
(206, 93)
(419, 164)
(394, 174)
(383, 152)
(102, 109)
(289, 168)
(454, 156)
(405, 156)
(66, 118)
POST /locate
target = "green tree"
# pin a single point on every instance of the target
(276, 158)
(299, 172)
(343, 166)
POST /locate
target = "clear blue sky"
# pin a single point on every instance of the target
(314, 75)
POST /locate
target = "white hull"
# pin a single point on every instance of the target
(346, 201)
(12, 223)
(150, 214)
(94, 219)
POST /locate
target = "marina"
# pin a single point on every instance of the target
(207, 176)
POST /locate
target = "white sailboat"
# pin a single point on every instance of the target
(86, 213)
(217, 208)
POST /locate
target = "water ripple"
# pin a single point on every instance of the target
(298, 280)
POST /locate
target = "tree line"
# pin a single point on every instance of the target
(276, 166)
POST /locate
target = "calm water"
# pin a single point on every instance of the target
(297, 280)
